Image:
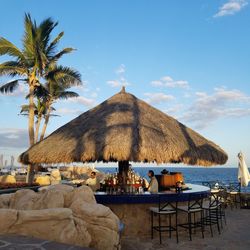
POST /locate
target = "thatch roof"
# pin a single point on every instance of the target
(124, 128)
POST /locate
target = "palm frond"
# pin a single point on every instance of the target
(52, 46)
(44, 31)
(8, 48)
(65, 75)
(12, 68)
(57, 56)
(9, 87)
(67, 94)
(29, 36)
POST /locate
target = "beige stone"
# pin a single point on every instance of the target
(8, 218)
(52, 224)
(60, 213)
(49, 199)
(43, 180)
(23, 199)
(83, 193)
(7, 179)
(5, 200)
(55, 176)
(103, 237)
(59, 187)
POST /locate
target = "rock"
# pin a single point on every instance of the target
(55, 176)
(102, 223)
(7, 179)
(43, 180)
(83, 193)
(60, 213)
(51, 224)
(8, 218)
(59, 187)
(23, 199)
(5, 200)
(103, 238)
(49, 199)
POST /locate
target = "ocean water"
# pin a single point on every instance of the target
(195, 175)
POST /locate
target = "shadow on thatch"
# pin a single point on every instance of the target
(201, 154)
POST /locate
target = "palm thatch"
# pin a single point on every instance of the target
(124, 128)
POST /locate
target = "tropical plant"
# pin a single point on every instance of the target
(31, 63)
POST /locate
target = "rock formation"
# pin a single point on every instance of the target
(60, 213)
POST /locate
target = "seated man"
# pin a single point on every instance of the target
(92, 182)
(153, 184)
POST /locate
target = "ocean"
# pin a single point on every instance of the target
(195, 175)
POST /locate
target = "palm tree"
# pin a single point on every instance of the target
(40, 112)
(31, 63)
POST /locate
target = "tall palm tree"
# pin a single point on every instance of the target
(31, 63)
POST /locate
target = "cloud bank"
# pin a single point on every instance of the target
(231, 7)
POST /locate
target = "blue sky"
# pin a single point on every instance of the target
(188, 58)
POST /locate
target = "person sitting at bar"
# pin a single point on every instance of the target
(92, 182)
(153, 184)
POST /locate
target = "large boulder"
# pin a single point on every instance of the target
(60, 213)
(5, 200)
(101, 222)
(7, 179)
(83, 193)
(8, 218)
(23, 199)
(55, 224)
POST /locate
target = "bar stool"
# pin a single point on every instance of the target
(234, 193)
(166, 209)
(212, 211)
(193, 207)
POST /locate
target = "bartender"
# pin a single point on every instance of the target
(92, 182)
(153, 184)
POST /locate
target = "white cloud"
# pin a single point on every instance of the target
(121, 69)
(13, 138)
(121, 81)
(88, 102)
(168, 82)
(222, 103)
(157, 98)
(68, 111)
(231, 7)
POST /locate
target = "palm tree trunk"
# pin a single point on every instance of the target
(30, 169)
(45, 124)
(37, 127)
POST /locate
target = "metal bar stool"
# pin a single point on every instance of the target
(193, 207)
(212, 211)
(234, 193)
(166, 209)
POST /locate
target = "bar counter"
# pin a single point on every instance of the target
(133, 209)
(105, 199)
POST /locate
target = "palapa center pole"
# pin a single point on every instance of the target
(123, 167)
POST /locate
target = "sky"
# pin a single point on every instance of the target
(190, 59)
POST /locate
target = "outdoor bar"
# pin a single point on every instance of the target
(125, 129)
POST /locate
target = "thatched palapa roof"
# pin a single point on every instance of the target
(124, 128)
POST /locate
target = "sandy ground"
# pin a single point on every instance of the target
(235, 235)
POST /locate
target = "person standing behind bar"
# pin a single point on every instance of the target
(153, 184)
(92, 182)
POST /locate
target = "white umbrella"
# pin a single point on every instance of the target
(243, 173)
